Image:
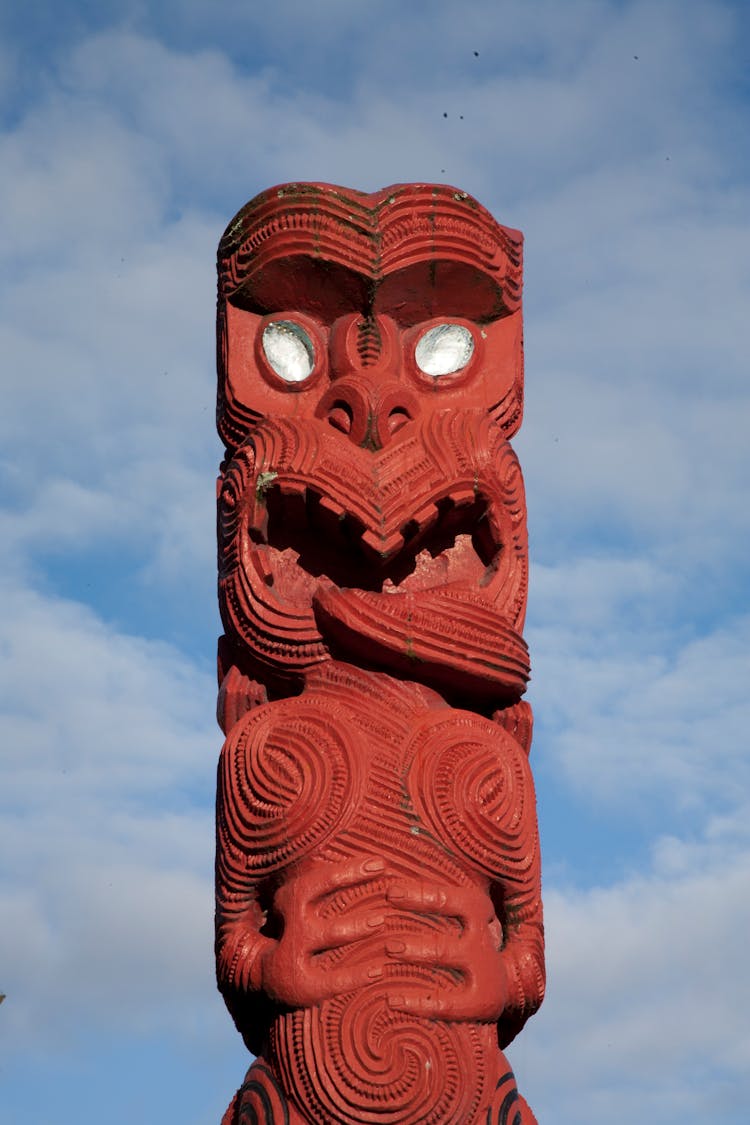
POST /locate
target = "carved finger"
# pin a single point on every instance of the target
(312, 888)
(482, 991)
(457, 953)
(324, 881)
(485, 1005)
(469, 905)
(425, 949)
(302, 986)
(353, 977)
(421, 897)
(341, 876)
(342, 931)
(429, 1004)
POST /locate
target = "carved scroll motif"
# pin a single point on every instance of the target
(378, 926)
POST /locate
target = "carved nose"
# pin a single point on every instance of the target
(368, 413)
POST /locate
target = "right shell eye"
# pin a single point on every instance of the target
(289, 350)
(444, 349)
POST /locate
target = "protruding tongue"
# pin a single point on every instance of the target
(450, 638)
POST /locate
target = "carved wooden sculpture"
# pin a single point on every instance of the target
(379, 926)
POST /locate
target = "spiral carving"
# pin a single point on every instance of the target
(507, 1107)
(354, 1059)
(260, 1101)
(471, 782)
(287, 777)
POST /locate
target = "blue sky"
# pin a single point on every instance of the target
(615, 135)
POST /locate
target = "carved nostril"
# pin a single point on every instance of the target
(397, 419)
(341, 416)
(367, 412)
(346, 407)
(396, 410)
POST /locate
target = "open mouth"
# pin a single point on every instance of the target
(431, 597)
(446, 542)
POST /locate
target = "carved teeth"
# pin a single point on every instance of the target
(424, 518)
(331, 508)
(291, 487)
(337, 544)
(466, 495)
(382, 549)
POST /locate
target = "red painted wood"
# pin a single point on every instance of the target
(379, 933)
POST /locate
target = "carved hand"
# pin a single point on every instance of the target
(472, 951)
(290, 968)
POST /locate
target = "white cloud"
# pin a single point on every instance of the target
(75, 176)
(109, 760)
(632, 709)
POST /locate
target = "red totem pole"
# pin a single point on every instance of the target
(378, 923)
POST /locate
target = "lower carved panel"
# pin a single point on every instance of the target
(352, 1064)
(355, 1059)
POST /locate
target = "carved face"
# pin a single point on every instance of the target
(370, 373)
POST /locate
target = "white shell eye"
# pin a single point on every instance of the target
(289, 350)
(444, 349)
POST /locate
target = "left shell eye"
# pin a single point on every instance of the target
(444, 349)
(289, 350)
